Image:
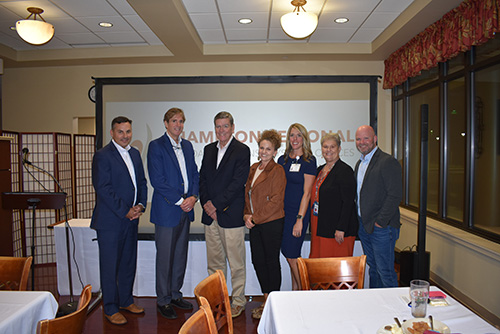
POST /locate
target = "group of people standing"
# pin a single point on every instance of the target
(275, 201)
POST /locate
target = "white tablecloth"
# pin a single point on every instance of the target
(356, 311)
(20, 311)
(87, 258)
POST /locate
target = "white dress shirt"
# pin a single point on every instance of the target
(222, 150)
(182, 164)
(124, 152)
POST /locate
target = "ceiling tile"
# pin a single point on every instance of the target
(81, 8)
(276, 19)
(83, 38)
(68, 26)
(50, 10)
(7, 15)
(239, 6)
(200, 6)
(206, 21)
(246, 34)
(350, 5)
(393, 5)
(92, 23)
(136, 22)
(260, 20)
(120, 37)
(122, 7)
(326, 20)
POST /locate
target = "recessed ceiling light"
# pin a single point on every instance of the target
(341, 20)
(245, 21)
(106, 24)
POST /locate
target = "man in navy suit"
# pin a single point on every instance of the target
(223, 174)
(380, 190)
(121, 196)
(174, 176)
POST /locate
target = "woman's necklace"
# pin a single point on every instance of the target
(325, 171)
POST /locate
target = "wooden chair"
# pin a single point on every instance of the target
(14, 272)
(214, 289)
(332, 273)
(201, 322)
(71, 323)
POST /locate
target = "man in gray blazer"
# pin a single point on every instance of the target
(379, 185)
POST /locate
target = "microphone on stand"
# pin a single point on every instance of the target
(68, 307)
(25, 152)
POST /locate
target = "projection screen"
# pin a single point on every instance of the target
(321, 103)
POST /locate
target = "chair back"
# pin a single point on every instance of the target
(14, 272)
(214, 289)
(71, 323)
(202, 321)
(332, 273)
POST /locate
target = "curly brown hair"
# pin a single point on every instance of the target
(272, 136)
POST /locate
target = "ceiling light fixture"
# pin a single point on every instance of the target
(245, 21)
(297, 24)
(33, 31)
(341, 20)
(105, 24)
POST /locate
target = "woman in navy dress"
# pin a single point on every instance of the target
(300, 169)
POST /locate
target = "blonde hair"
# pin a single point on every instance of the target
(331, 136)
(306, 142)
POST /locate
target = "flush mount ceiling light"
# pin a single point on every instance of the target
(299, 24)
(341, 20)
(105, 24)
(245, 21)
(33, 31)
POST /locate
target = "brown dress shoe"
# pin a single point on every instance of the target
(132, 308)
(116, 319)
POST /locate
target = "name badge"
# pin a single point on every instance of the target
(294, 167)
(315, 208)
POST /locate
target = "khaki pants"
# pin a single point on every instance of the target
(228, 245)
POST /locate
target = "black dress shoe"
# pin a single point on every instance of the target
(167, 311)
(182, 304)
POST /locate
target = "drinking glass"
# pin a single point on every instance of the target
(419, 294)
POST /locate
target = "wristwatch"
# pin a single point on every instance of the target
(299, 217)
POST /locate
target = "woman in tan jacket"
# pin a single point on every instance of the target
(264, 214)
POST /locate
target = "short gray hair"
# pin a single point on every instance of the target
(331, 136)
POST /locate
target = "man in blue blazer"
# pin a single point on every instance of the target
(380, 190)
(121, 196)
(223, 175)
(174, 176)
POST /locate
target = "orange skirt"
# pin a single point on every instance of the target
(329, 247)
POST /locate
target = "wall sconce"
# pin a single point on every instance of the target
(33, 31)
(297, 24)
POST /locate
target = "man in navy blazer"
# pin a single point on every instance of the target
(223, 174)
(380, 190)
(174, 176)
(121, 196)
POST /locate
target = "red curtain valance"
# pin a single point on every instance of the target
(473, 22)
